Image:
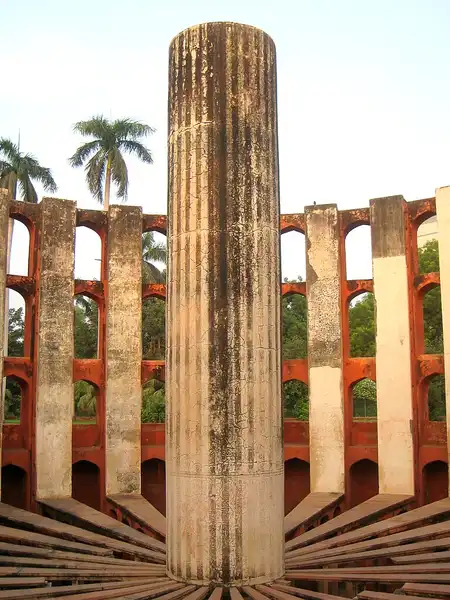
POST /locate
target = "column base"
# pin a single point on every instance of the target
(263, 579)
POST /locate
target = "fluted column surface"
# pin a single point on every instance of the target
(224, 424)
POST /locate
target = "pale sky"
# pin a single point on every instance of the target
(363, 95)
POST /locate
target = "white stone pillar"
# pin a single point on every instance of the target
(393, 346)
(54, 387)
(443, 219)
(123, 350)
(326, 403)
(224, 446)
(4, 219)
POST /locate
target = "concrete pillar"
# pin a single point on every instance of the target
(443, 219)
(224, 424)
(123, 350)
(393, 346)
(54, 387)
(4, 219)
(326, 403)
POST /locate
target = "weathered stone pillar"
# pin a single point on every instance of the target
(326, 404)
(4, 219)
(124, 350)
(54, 388)
(224, 422)
(393, 351)
(443, 219)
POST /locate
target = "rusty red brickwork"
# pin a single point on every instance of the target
(360, 436)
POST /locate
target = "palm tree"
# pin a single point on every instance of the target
(153, 251)
(19, 170)
(104, 154)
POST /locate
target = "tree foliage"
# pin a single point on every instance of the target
(19, 170)
(103, 156)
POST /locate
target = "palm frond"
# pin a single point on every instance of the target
(44, 176)
(97, 126)
(151, 273)
(119, 173)
(133, 147)
(27, 189)
(9, 150)
(129, 129)
(153, 251)
(83, 152)
(95, 175)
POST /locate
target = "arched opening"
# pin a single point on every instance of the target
(361, 322)
(432, 322)
(296, 400)
(153, 402)
(88, 254)
(20, 249)
(427, 246)
(13, 401)
(153, 329)
(154, 257)
(296, 483)
(153, 483)
(85, 403)
(16, 324)
(86, 483)
(85, 336)
(363, 481)
(435, 481)
(14, 486)
(295, 326)
(293, 257)
(435, 391)
(358, 253)
(364, 395)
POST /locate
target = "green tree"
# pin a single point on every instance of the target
(294, 325)
(365, 399)
(153, 402)
(153, 252)
(16, 330)
(85, 400)
(295, 399)
(85, 327)
(104, 154)
(153, 329)
(19, 170)
(362, 326)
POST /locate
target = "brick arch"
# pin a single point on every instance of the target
(296, 483)
(86, 483)
(153, 483)
(14, 486)
(435, 481)
(363, 481)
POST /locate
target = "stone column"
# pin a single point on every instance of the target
(326, 403)
(393, 346)
(443, 222)
(54, 387)
(4, 219)
(123, 350)
(224, 423)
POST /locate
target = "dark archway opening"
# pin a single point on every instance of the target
(153, 483)
(14, 486)
(363, 481)
(86, 483)
(435, 481)
(296, 483)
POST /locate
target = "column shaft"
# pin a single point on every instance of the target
(443, 220)
(224, 422)
(4, 219)
(326, 406)
(54, 387)
(393, 346)
(124, 351)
